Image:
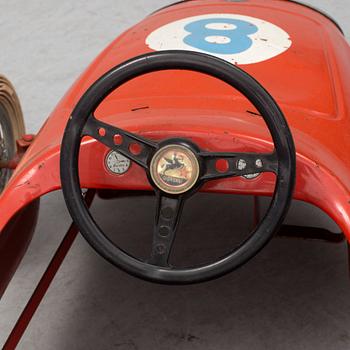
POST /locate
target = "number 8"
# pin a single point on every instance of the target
(234, 40)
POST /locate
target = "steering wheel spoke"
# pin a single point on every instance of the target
(134, 147)
(226, 164)
(168, 214)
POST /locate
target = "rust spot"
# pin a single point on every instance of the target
(139, 108)
(254, 113)
(26, 183)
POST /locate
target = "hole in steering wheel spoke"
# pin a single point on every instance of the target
(102, 132)
(135, 148)
(222, 165)
(118, 139)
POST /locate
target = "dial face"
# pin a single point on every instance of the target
(116, 163)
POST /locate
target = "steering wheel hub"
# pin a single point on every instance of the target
(174, 169)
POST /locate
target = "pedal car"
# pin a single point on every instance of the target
(233, 97)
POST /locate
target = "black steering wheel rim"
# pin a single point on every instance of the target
(202, 63)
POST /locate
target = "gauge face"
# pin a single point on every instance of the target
(116, 163)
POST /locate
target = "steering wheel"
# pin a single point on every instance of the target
(196, 166)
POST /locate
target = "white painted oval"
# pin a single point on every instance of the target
(268, 42)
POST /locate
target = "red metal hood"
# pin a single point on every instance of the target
(300, 77)
(307, 77)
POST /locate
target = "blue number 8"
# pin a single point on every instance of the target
(237, 39)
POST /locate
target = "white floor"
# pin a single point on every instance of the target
(294, 295)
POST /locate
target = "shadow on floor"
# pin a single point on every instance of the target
(294, 295)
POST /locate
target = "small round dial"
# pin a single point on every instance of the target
(116, 163)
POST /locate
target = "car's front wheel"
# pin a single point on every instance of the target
(11, 126)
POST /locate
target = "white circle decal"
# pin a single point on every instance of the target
(237, 39)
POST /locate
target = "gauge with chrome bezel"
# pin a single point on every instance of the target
(116, 163)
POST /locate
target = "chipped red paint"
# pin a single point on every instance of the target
(22, 146)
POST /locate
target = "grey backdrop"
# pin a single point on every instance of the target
(294, 295)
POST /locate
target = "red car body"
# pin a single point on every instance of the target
(310, 81)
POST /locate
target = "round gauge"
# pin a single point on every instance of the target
(116, 163)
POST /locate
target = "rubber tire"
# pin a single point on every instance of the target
(12, 111)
